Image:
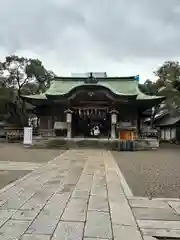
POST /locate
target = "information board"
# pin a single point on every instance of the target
(27, 135)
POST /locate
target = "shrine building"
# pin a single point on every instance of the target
(72, 105)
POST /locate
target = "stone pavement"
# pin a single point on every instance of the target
(80, 195)
(157, 217)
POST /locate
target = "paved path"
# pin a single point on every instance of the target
(80, 196)
(158, 217)
(76, 196)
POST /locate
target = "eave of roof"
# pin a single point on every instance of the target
(62, 87)
(118, 86)
(35, 96)
(169, 121)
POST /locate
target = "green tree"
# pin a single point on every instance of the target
(168, 84)
(22, 76)
(149, 87)
(40, 76)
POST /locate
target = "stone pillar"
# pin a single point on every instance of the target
(69, 123)
(113, 123)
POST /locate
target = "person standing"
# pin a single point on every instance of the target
(96, 131)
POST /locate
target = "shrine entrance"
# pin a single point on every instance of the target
(84, 119)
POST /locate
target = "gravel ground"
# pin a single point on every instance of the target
(152, 173)
(18, 153)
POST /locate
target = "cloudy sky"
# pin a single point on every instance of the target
(121, 37)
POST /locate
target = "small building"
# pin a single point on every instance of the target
(168, 127)
(73, 105)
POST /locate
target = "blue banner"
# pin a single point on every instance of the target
(137, 78)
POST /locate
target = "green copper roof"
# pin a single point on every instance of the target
(35, 96)
(127, 86)
(118, 86)
(142, 96)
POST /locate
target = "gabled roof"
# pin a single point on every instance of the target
(62, 87)
(118, 86)
(168, 121)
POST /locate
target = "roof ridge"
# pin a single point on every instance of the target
(130, 78)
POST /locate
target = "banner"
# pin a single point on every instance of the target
(27, 135)
(137, 78)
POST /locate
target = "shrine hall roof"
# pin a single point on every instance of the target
(119, 86)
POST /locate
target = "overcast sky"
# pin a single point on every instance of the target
(121, 37)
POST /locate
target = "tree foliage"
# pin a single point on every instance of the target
(20, 75)
(167, 84)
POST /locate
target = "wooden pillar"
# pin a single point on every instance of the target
(53, 115)
(138, 124)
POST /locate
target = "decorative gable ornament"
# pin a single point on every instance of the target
(91, 79)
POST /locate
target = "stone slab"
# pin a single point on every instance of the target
(99, 187)
(124, 184)
(35, 237)
(85, 181)
(99, 191)
(97, 238)
(78, 193)
(75, 210)
(119, 208)
(50, 215)
(16, 202)
(98, 203)
(126, 232)
(155, 214)
(38, 200)
(66, 188)
(148, 203)
(98, 225)
(69, 230)
(175, 205)
(159, 224)
(5, 215)
(13, 229)
(121, 214)
(149, 238)
(161, 232)
(26, 214)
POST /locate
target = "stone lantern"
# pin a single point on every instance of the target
(69, 122)
(113, 123)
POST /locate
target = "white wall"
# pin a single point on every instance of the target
(168, 134)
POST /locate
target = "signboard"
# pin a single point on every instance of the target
(27, 135)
